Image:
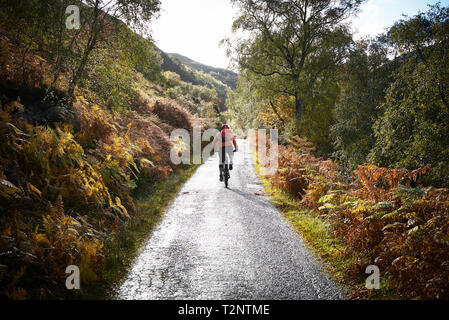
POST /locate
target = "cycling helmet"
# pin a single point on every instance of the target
(225, 126)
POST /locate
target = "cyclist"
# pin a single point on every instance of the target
(223, 142)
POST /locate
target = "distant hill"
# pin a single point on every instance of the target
(226, 76)
(168, 64)
(196, 73)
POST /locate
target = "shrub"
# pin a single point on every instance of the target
(383, 216)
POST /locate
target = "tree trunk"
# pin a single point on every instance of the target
(276, 112)
(78, 72)
(89, 47)
(298, 108)
(24, 76)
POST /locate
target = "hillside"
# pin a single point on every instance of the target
(226, 76)
(193, 72)
(84, 144)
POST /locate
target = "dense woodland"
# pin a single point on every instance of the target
(382, 101)
(364, 135)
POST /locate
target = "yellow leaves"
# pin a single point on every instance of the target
(18, 294)
(123, 209)
(127, 139)
(394, 225)
(146, 163)
(405, 261)
(6, 232)
(111, 204)
(144, 145)
(326, 206)
(41, 239)
(118, 206)
(327, 198)
(360, 208)
(8, 189)
(120, 152)
(414, 230)
(394, 216)
(280, 108)
(33, 190)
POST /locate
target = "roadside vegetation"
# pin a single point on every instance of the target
(363, 136)
(376, 216)
(85, 122)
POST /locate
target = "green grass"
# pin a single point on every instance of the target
(151, 200)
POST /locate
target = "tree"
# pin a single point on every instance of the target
(295, 42)
(99, 17)
(414, 128)
(42, 24)
(243, 105)
(36, 24)
(363, 82)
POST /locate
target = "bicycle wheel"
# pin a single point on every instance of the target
(226, 177)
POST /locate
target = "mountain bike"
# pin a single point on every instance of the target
(226, 174)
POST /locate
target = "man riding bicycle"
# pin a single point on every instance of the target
(223, 142)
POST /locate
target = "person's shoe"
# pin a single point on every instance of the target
(230, 166)
(221, 177)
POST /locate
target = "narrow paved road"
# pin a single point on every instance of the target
(215, 243)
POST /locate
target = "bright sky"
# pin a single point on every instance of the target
(194, 28)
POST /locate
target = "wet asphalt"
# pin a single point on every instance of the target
(217, 243)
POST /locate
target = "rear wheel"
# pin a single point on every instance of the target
(226, 177)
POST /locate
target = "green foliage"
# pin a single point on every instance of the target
(364, 80)
(41, 24)
(199, 100)
(141, 54)
(69, 163)
(111, 79)
(197, 74)
(241, 106)
(414, 128)
(227, 77)
(380, 219)
(353, 99)
(293, 46)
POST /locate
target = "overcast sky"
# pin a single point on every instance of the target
(194, 28)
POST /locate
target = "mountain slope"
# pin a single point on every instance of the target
(226, 76)
(193, 72)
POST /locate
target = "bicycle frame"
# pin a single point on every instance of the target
(224, 161)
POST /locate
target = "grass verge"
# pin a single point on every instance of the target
(151, 200)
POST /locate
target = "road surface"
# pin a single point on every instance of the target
(217, 243)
